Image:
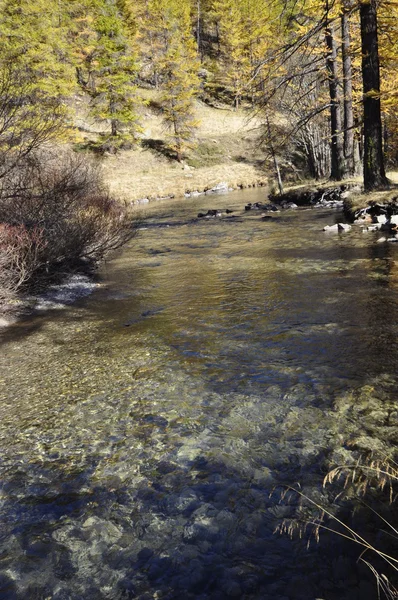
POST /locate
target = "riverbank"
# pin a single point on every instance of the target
(226, 148)
(360, 200)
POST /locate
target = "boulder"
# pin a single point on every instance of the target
(289, 205)
(363, 218)
(380, 219)
(337, 227)
(219, 188)
(372, 228)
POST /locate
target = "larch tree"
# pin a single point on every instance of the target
(35, 78)
(179, 72)
(171, 63)
(152, 36)
(82, 40)
(234, 62)
(260, 23)
(302, 82)
(346, 53)
(336, 124)
(114, 95)
(388, 43)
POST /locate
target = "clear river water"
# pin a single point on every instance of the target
(146, 430)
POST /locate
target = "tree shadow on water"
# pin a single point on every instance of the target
(202, 531)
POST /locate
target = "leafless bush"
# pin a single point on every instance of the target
(56, 217)
(21, 254)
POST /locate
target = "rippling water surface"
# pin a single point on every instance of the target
(144, 428)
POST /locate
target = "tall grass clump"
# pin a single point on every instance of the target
(367, 485)
(56, 217)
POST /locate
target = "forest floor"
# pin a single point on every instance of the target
(227, 149)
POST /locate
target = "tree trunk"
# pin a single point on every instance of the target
(114, 122)
(80, 77)
(276, 164)
(218, 40)
(198, 29)
(347, 87)
(373, 161)
(337, 149)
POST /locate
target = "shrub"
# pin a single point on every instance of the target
(21, 254)
(55, 217)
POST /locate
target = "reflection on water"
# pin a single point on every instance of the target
(144, 428)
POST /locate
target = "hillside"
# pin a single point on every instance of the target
(226, 149)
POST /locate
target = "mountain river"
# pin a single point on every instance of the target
(147, 430)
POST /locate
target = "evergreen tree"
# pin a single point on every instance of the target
(35, 77)
(114, 95)
(180, 82)
(234, 64)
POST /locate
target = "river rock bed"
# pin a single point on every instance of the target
(148, 460)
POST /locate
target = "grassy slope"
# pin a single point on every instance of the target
(226, 150)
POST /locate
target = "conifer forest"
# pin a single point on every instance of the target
(327, 68)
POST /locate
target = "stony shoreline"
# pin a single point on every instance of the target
(221, 187)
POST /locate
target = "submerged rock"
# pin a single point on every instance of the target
(260, 206)
(214, 212)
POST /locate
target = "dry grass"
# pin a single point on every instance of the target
(366, 476)
(226, 149)
(361, 200)
(137, 174)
